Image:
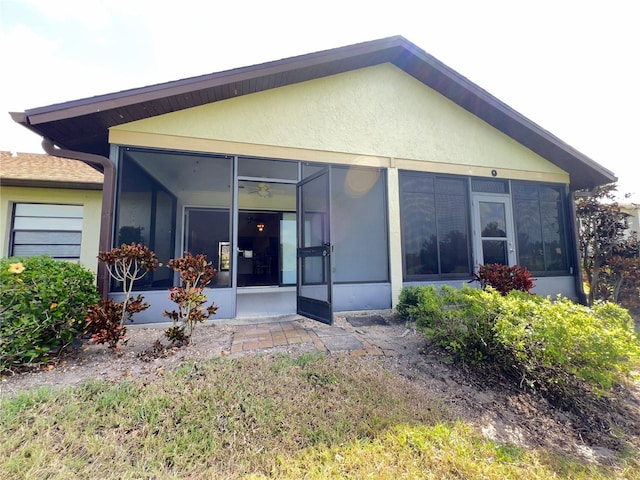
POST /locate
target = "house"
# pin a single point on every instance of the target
(326, 182)
(49, 206)
(633, 210)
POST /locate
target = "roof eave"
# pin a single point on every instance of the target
(35, 183)
(584, 172)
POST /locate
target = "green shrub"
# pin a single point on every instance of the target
(598, 345)
(543, 341)
(408, 300)
(459, 320)
(42, 307)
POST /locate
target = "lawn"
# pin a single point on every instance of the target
(308, 416)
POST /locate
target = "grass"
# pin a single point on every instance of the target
(310, 416)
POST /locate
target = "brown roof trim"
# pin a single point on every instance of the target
(83, 124)
(186, 86)
(18, 182)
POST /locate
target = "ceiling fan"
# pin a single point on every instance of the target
(262, 190)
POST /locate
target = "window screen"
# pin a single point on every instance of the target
(359, 225)
(541, 228)
(435, 225)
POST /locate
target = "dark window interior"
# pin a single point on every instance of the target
(146, 214)
(435, 226)
(259, 248)
(541, 230)
(207, 232)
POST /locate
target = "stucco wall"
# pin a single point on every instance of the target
(377, 116)
(90, 199)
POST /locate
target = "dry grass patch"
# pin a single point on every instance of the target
(309, 416)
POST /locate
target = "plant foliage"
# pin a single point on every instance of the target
(195, 274)
(128, 264)
(543, 341)
(41, 308)
(604, 245)
(103, 320)
(504, 278)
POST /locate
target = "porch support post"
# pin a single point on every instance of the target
(395, 241)
(576, 258)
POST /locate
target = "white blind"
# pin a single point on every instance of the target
(47, 229)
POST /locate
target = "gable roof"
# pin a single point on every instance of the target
(82, 125)
(41, 170)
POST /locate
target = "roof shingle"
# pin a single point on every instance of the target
(41, 170)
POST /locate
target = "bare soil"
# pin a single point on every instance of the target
(597, 428)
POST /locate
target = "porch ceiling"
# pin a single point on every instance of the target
(82, 125)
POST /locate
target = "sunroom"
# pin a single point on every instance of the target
(241, 213)
(326, 182)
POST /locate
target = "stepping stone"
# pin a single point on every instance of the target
(329, 331)
(366, 321)
(341, 343)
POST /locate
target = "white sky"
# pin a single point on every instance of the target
(572, 66)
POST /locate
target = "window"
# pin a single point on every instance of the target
(435, 226)
(541, 227)
(46, 229)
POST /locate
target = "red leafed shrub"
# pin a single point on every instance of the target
(504, 278)
(103, 320)
(195, 274)
(126, 265)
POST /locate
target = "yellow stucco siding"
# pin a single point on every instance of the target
(370, 114)
(90, 199)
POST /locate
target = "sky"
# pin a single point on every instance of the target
(571, 66)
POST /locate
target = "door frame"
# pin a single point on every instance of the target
(510, 238)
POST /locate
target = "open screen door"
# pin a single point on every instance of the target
(314, 287)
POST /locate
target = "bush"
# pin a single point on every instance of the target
(459, 320)
(42, 307)
(127, 264)
(195, 274)
(598, 345)
(544, 342)
(409, 299)
(504, 278)
(104, 320)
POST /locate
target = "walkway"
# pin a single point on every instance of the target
(369, 334)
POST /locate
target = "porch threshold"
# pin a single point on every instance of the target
(264, 289)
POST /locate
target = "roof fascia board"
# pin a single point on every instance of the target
(125, 98)
(23, 182)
